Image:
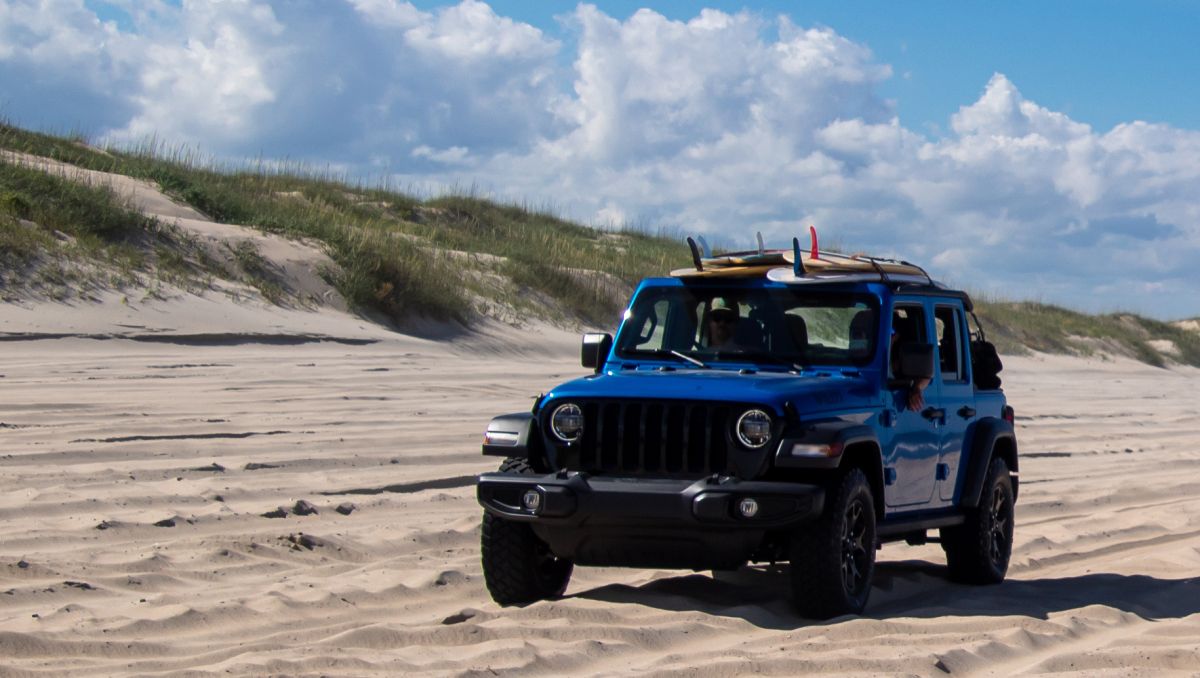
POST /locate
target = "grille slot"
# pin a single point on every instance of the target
(652, 437)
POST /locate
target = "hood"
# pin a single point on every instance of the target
(809, 391)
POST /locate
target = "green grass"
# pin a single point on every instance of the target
(452, 257)
(59, 236)
(386, 244)
(1017, 327)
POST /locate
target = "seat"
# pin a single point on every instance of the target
(861, 327)
(798, 332)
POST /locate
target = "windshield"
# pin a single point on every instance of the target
(780, 326)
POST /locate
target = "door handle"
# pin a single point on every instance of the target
(966, 412)
(932, 413)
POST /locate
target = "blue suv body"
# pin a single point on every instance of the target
(736, 419)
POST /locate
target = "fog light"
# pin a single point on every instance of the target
(532, 500)
(748, 508)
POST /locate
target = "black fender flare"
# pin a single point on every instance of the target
(992, 436)
(840, 436)
(513, 435)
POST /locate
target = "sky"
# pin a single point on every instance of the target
(1027, 151)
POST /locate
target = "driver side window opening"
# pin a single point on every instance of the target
(908, 327)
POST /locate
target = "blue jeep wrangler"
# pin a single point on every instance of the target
(737, 418)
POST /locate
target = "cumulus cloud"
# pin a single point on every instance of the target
(723, 124)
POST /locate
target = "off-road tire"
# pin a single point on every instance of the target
(833, 559)
(978, 551)
(518, 568)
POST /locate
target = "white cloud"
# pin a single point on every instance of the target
(391, 13)
(723, 124)
(215, 82)
(455, 155)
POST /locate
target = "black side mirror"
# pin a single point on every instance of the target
(596, 348)
(914, 361)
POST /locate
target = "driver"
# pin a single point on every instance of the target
(722, 323)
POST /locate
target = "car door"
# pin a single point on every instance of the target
(910, 463)
(956, 394)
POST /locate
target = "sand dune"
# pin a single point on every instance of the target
(136, 477)
(160, 459)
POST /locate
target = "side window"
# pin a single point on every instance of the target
(908, 326)
(949, 326)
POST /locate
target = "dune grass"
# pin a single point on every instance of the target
(391, 248)
(451, 257)
(1017, 327)
(61, 237)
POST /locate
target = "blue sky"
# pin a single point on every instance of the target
(1048, 151)
(1102, 62)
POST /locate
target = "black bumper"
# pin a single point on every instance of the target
(644, 522)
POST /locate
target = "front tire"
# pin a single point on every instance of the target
(518, 568)
(833, 560)
(978, 551)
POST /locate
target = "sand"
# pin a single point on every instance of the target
(144, 443)
(136, 475)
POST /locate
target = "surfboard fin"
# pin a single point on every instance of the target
(761, 249)
(704, 248)
(695, 253)
(797, 260)
(812, 237)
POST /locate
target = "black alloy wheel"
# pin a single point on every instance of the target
(833, 558)
(978, 551)
(856, 552)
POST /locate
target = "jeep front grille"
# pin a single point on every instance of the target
(651, 437)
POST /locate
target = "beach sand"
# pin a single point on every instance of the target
(136, 475)
(161, 456)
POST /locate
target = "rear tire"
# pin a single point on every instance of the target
(518, 568)
(979, 550)
(833, 559)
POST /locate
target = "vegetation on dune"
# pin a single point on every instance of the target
(62, 238)
(1018, 327)
(396, 254)
(449, 257)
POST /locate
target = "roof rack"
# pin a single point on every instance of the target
(814, 266)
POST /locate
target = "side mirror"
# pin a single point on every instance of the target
(914, 361)
(596, 348)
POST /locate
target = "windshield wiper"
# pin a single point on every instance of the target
(690, 359)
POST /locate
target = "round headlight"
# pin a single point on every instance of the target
(754, 429)
(567, 422)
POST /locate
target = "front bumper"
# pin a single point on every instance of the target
(647, 522)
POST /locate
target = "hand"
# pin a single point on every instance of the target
(916, 395)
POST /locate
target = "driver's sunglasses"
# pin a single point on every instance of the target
(724, 318)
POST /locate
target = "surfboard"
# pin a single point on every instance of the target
(767, 257)
(726, 271)
(795, 264)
